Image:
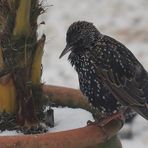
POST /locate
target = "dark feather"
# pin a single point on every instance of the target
(125, 77)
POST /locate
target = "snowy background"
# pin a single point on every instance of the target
(125, 20)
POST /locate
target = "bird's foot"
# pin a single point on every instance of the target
(89, 122)
(116, 116)
(102, 122)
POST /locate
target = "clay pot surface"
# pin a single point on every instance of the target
(88, 136)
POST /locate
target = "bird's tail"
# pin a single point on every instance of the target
(143, 111)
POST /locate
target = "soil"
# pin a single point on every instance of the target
(8, 122)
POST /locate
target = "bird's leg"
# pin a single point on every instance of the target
(103, 121)
(115, 116)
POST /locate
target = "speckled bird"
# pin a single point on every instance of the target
(109, 74)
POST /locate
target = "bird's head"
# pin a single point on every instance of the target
(80, 37)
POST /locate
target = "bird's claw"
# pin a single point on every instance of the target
(105, 121)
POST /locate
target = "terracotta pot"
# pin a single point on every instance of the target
(89, 136)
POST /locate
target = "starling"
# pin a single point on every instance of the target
(109, 74)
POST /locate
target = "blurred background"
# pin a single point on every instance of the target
(124, 20)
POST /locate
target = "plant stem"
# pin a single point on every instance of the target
(36, 65)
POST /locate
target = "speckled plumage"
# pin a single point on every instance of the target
(107, 70)
(92, 87)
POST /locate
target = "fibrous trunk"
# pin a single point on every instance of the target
(20, 59)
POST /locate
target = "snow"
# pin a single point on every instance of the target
(139, 130)
(9, 133)
(124, 20)
(68, 118)
(65, 119)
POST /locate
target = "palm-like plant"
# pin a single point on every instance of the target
(20, 59)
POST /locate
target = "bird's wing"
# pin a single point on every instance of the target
(121, 72)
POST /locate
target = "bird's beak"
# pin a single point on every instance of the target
(67, 49)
